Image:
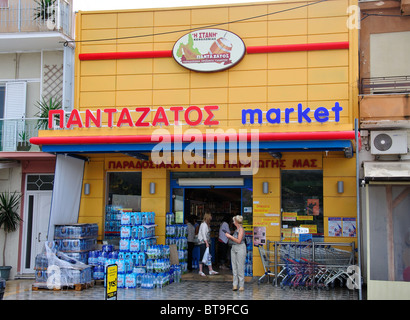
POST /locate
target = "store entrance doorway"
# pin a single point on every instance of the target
(223, 201)
(223, 204)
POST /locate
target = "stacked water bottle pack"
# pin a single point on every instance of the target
(76, 240)
(112, 222)
(177, 234)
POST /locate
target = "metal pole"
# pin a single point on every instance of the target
(359, 241)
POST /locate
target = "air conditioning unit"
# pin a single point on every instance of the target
(389, 142)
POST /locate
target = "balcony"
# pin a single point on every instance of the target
(16, 133)
(385, 101)
(385, 85)
(26, 26)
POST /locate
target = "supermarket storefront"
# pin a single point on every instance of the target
(264, 127)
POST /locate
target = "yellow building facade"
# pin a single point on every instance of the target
(295, 87)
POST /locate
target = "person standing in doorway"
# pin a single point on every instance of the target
(191, 239)
(204, 239)
(223, 242)
(238, 253)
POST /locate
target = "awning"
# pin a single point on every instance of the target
(266, 142)
(387, 171)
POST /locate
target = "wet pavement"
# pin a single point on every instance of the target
(182, 291)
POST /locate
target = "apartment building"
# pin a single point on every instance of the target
(36, 63)
(384, 157)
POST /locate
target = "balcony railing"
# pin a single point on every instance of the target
(28, 16)
(16, 133)
(385, 85)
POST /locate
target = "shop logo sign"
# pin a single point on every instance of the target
(209, 50)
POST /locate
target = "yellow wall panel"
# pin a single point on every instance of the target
(273, 183)
(134, 82)
(328, 75)
(167, 65)
(172, 18)
(137, 46)
(160, 188)
(287, 76)
(339, 167)
(100, 34)
(273, 202)
(330, 186)
(171, 81)
(283, 60)
(330, 37)
(135, 19)
(328, 91)
(297, 39)
(286, 11)
(96, 189)
(327, 25)
(98, 21)
(287, 93)
(134, 66)
(210, 16)
(168, 34)
(212, 80)
(134, 98)
(247, 78)
(328, 58)
(209, 96)
(100, 83)
(280, 28)
(91, 207)
(339, 207)
(243, 12)
(328, 8)
(247, 94)
(93, 170)
(252, 62)
(171, 97)
(93, 68)
(249, 29)
(135, 35)
(97, 99)
(90, 47)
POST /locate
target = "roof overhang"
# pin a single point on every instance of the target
(140, 144)
(386, 171)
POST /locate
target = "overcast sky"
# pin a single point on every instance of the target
(87, 5)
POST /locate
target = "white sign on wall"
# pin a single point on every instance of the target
(209, 50)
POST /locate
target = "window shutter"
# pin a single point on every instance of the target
(14, 114)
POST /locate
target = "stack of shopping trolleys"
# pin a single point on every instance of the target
(307, 265)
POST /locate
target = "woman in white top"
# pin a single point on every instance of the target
(204, 239)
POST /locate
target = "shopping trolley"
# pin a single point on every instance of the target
(268, 262)
(312, 265)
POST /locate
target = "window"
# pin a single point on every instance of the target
(123, 192)
(302, 201)
(40, 182)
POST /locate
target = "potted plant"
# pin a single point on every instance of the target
(9, 221)
(44, 106)
(45, 13)
(23, 144)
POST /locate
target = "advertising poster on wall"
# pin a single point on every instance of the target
(259, 236)
(349, 227)
(335, 227)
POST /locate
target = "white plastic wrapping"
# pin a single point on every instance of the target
(56, 270)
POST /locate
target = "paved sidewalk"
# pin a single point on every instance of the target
(185, 290)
